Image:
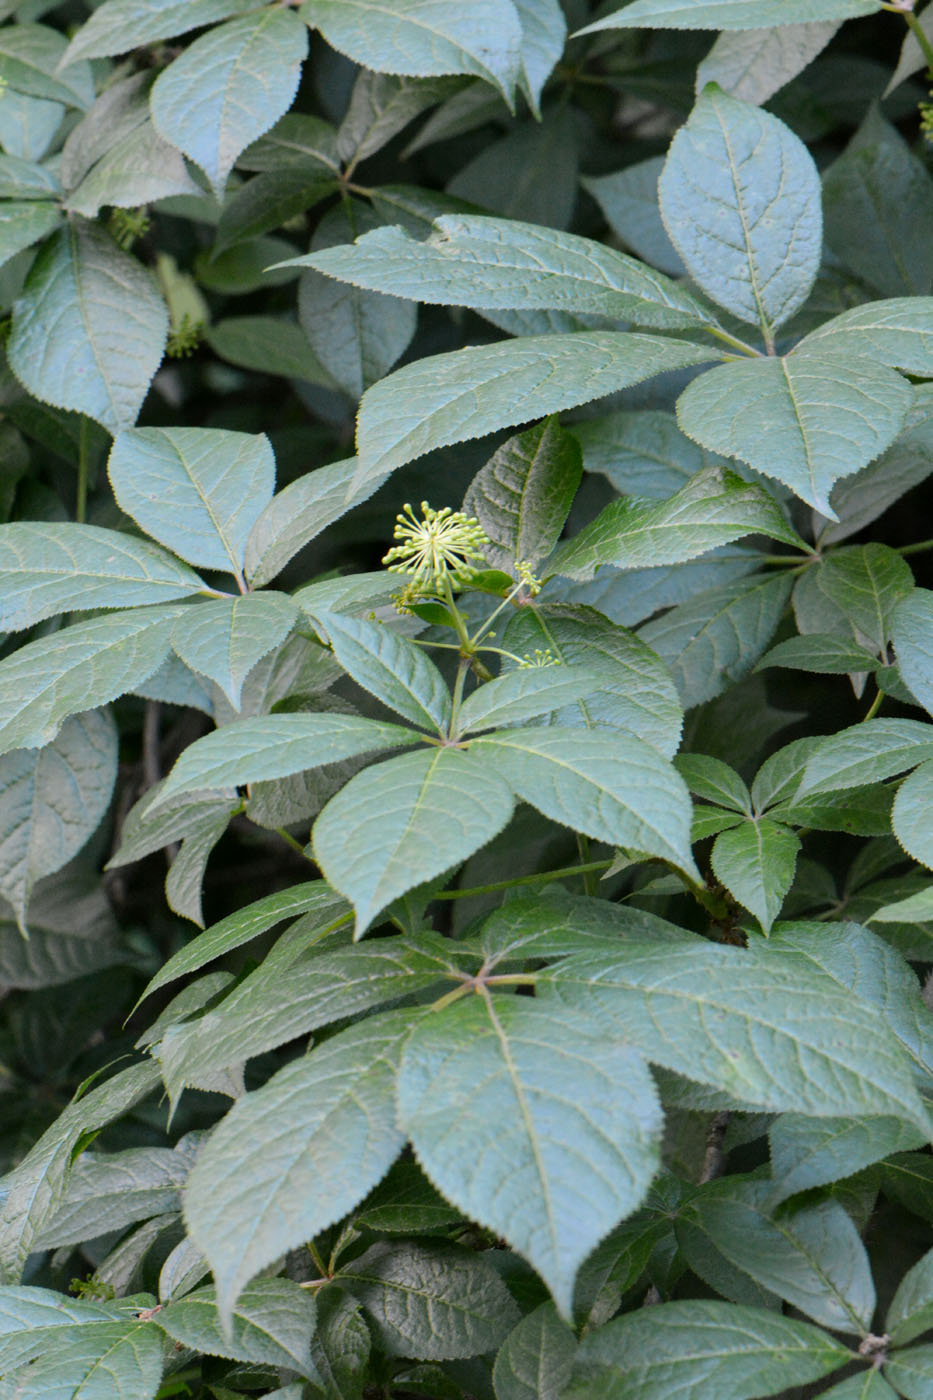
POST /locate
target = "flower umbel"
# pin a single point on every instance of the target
(439, 549)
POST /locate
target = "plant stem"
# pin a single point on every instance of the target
(83, 466)
(874, 707)
(290, 841)
(734, 341)
(916, 29)
(541, 879)
(919, 548)
(589, 878)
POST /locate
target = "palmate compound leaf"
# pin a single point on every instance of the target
(740, 198)
(224, 639)
(77, 669)
(52, 799)
(807, 418)
(295, 1156)
(199, 491)
(715, 507)
(729, 14)
(766, 1026)
(504, 264)
(54, 567)
(229, 87)
(275, 746)
(525, 693)
(756, 863)
(541, 1125)
(609, 785)
(425, 38)
(697, 1349)
(90, 327)
(449, 398)
(272, 1325)
(400, 823)
(391, 667)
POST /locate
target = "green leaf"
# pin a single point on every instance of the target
(911, 635)
(812, 1256)
(911, 1309)
(910, 815)
(874, 198)
(471, 260)
(755, 65)
(808, 1152)
(270, 200)
(696, 1349)
(405, 1203)
(764, 1025)
(109, 1191)
(740, 198)
(867, 582)
(26, 1313)
(641, 452)
(431, 1300)
(78, 669)
(634, 691)
(228, 87)
(449, 398)
(729, 14)
(821, 652)
(756, 863)
(242, 926)
(118, 1359)
(536, 1358)
(35, 1186)
(296, 139)
(714, 781)
(867, 753)
(523, 494)
(916, 908)
(715, 639)
(224, 639)
(89, 330)
(25, 179)
(807, 419)
(341, 1345)
(629, 200)
(274, 746)
(523, 694)
(271, 1324)
(51, 568)
(23, 223)
(911, 1372)
(715, 507)
(398, 824)
(425, 38)
(544, 31)
(199, 491)
(72, 932)
(897, 332)
(32, 62)
(140, 169)
(554, 925)
(391, 667)
(493, 1090)
(613, 787)
(296, 1155)
(52, 800)
(268, 345)
(865, 1385)
(118, 26)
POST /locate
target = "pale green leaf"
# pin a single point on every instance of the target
(523, 494)
(764, 1025)
(119, 110)
(740, 197)
(78, 669)
(609, 785)
(140, 169)
(55, 567)
(544, 30)
(382, 105)
(715, 507)
(864, 1385)
(897, 332)
(806, 419)
(293, 1157)
(449, 398)
(199, 491)
(504, 264)
(118, 26)
(729, 14)
(493, 1093)
(24, 223)
(72, 932)
(911, 1309)
(90, 327)
(109, 1191)
(28, 124)
(525, 693)
(553, 925)
(813, 1151)
(867, 582)
(228, 87)
(915, 909)
(25, 179)
(122, 1360)
(26, 1313)
(536, 1358)
(425, 38)
(52, 799)
(810, 1256)
(274, 746)
(911, 1372)
(268, 201)
(822, 652)
(641, 452)
(696, 1349)
(867, 753)
(714, 781)
(910, 815)
(756, 863)
(268, 345)
(860, 499)
(912, 635)
(754, 65)
(224, 639)
(431, 1300)
(296, 139)
(32, 62)
(634, 691)
(629, 200)
(391, 667)
(142, 833)
(271, 1324)
(398, 824)
(716, 638)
